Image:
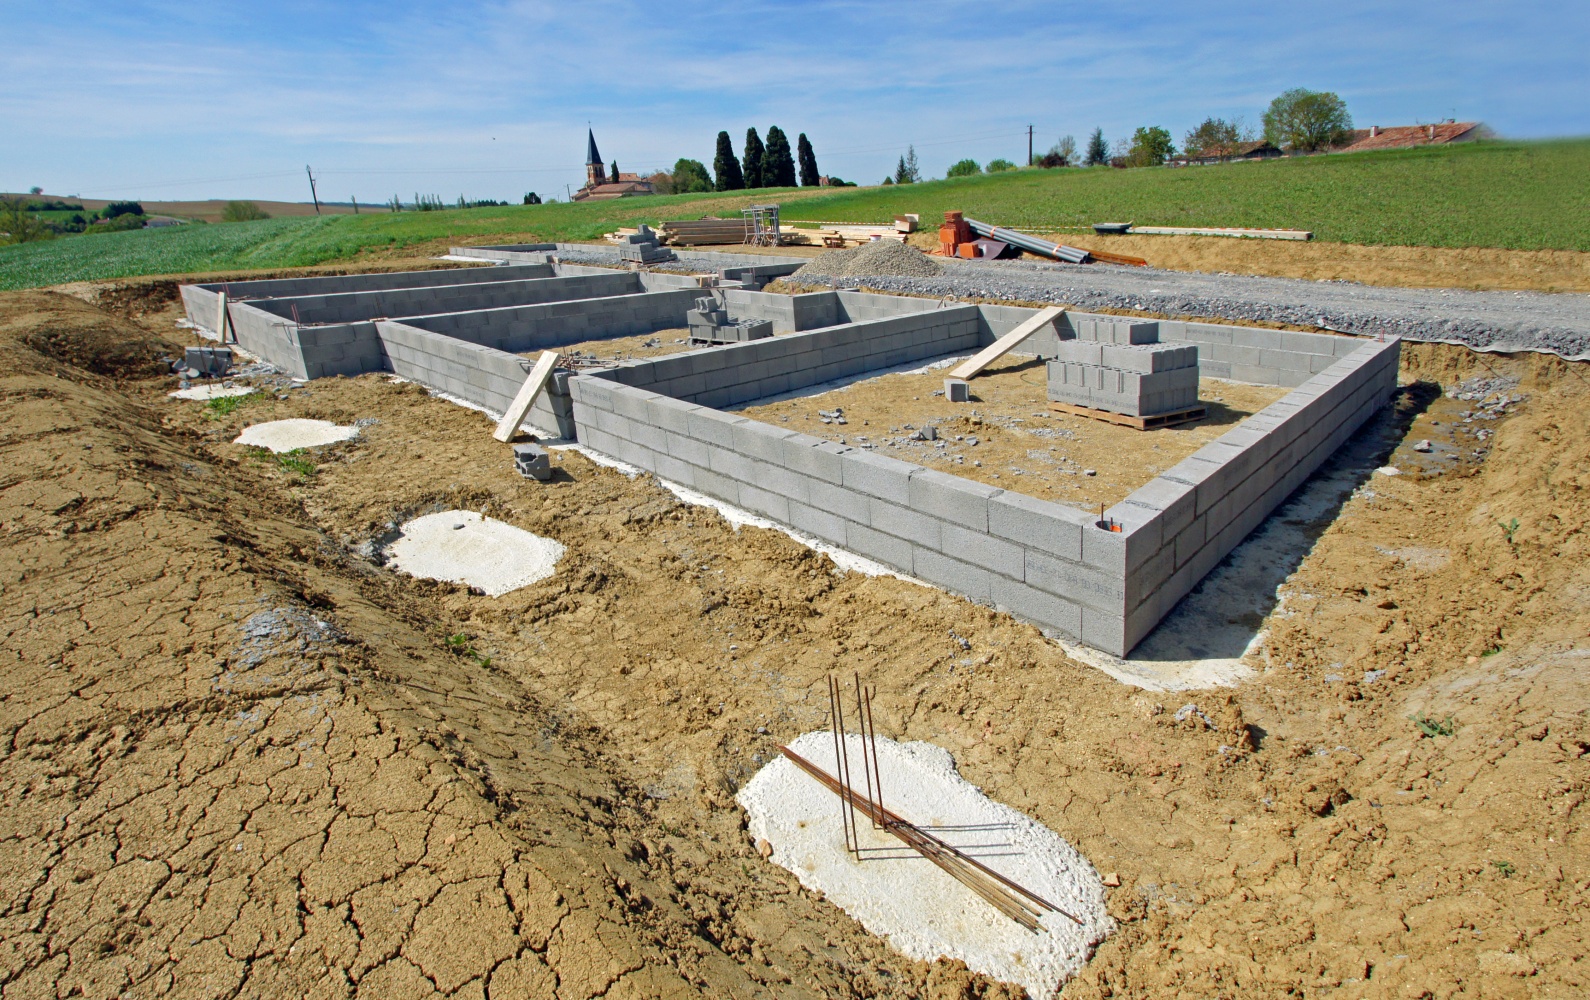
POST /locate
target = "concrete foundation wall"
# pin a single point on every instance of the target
(334, 283)
(1184, 522)
(554, 324)
(1005, 550)
(347, 307)
(738, 373)
(482, 375)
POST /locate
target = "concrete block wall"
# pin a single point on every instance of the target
(536, 327)
(1181, 524)
(482, 375)
(1017, 553)
(789, 313)
(347, 307)
(387, 280)
(738, 373)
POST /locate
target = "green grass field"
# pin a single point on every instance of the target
(1501, 194)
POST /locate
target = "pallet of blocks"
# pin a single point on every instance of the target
(1118, 372)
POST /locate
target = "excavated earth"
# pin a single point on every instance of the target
(242, 758)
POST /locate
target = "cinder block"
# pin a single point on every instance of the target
(848, 504)
(887, 549)
(951, 498)
(712, 427)
(804, 454)
(875, 475)
(765, 502)
(822, 524)
(1174, 503)
(902, 522)
(714, 484)
(952, 574)
(1086, 585)
(1148, 358)
(1105, 631)
(1039, 524)
(1189, 540)
(979, 548)
(1033, 605)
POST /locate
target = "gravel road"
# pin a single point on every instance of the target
(1491, 321)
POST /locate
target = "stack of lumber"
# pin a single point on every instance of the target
(832, 234)
(696, 232)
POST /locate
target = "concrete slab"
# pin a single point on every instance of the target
(896, 894)
(290, 435)
(461, 546)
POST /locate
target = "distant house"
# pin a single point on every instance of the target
(1406, 136)
(601, 184)
(1259, 150)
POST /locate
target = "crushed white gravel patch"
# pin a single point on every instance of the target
(461, 546)
(897, 894)
(290, 435)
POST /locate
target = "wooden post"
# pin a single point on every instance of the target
(223, 320)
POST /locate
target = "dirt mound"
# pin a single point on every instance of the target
(77, 334)
(243, 758)
(880, 257)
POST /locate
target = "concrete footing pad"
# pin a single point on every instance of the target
(897, 894)
(290, 435)
(211, 392)
(461, 546)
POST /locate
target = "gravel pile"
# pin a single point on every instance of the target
(880, 257)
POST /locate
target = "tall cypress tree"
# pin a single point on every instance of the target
(725, 167)
(751, 161)
(808, 162)
(778, 166)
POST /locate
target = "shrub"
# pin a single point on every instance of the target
(18, 225)
(116, 208)
(689, 176)
(965, 168)
(531, 198)
(1000, 166)
(242, 211)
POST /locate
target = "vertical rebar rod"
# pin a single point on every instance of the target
(844, 762)
(838, 757)
(866, 764)
(872, 727)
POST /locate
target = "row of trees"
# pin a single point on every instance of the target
(760, 165)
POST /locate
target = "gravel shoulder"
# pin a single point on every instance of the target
(1503, 322)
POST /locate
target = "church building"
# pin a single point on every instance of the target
(603, 182)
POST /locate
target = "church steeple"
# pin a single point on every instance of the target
(595, 171)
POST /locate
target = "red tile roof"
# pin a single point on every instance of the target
(1401, 136)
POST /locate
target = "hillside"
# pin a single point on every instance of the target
(1519, 196)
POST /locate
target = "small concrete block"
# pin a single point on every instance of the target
(953, 575)
(1048, 527)
(984, 550)
(848, 504)
(875, 475)
(821, 523)
(957, 390)
(903, 522)
(1104, 631)
(960, 501)
(1085, 585)
(1033, 605)
(887, 549)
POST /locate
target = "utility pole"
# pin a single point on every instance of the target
(1029, 145)
(355, 204)
(312, 193)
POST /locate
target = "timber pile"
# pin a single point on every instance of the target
(699, 232)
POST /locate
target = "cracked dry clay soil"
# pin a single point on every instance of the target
(238, 758)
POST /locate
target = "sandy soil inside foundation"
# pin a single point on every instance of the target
(1007, 436)
(596, 353)
(240, 758)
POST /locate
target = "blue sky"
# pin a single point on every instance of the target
(490, 98)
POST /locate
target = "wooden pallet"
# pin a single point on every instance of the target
(1141, 423)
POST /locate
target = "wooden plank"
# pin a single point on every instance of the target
(1005, 344)
(223, 319)
(1252, 234)
(1116, 258)
(1127, 420)
(508, 426)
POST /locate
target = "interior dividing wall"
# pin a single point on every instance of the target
(346, 307)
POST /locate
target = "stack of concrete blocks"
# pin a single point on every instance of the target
(710, 324)
(643, 248)
(213, 361)
(1121, 368)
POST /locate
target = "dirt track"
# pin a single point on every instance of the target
(241, 759)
